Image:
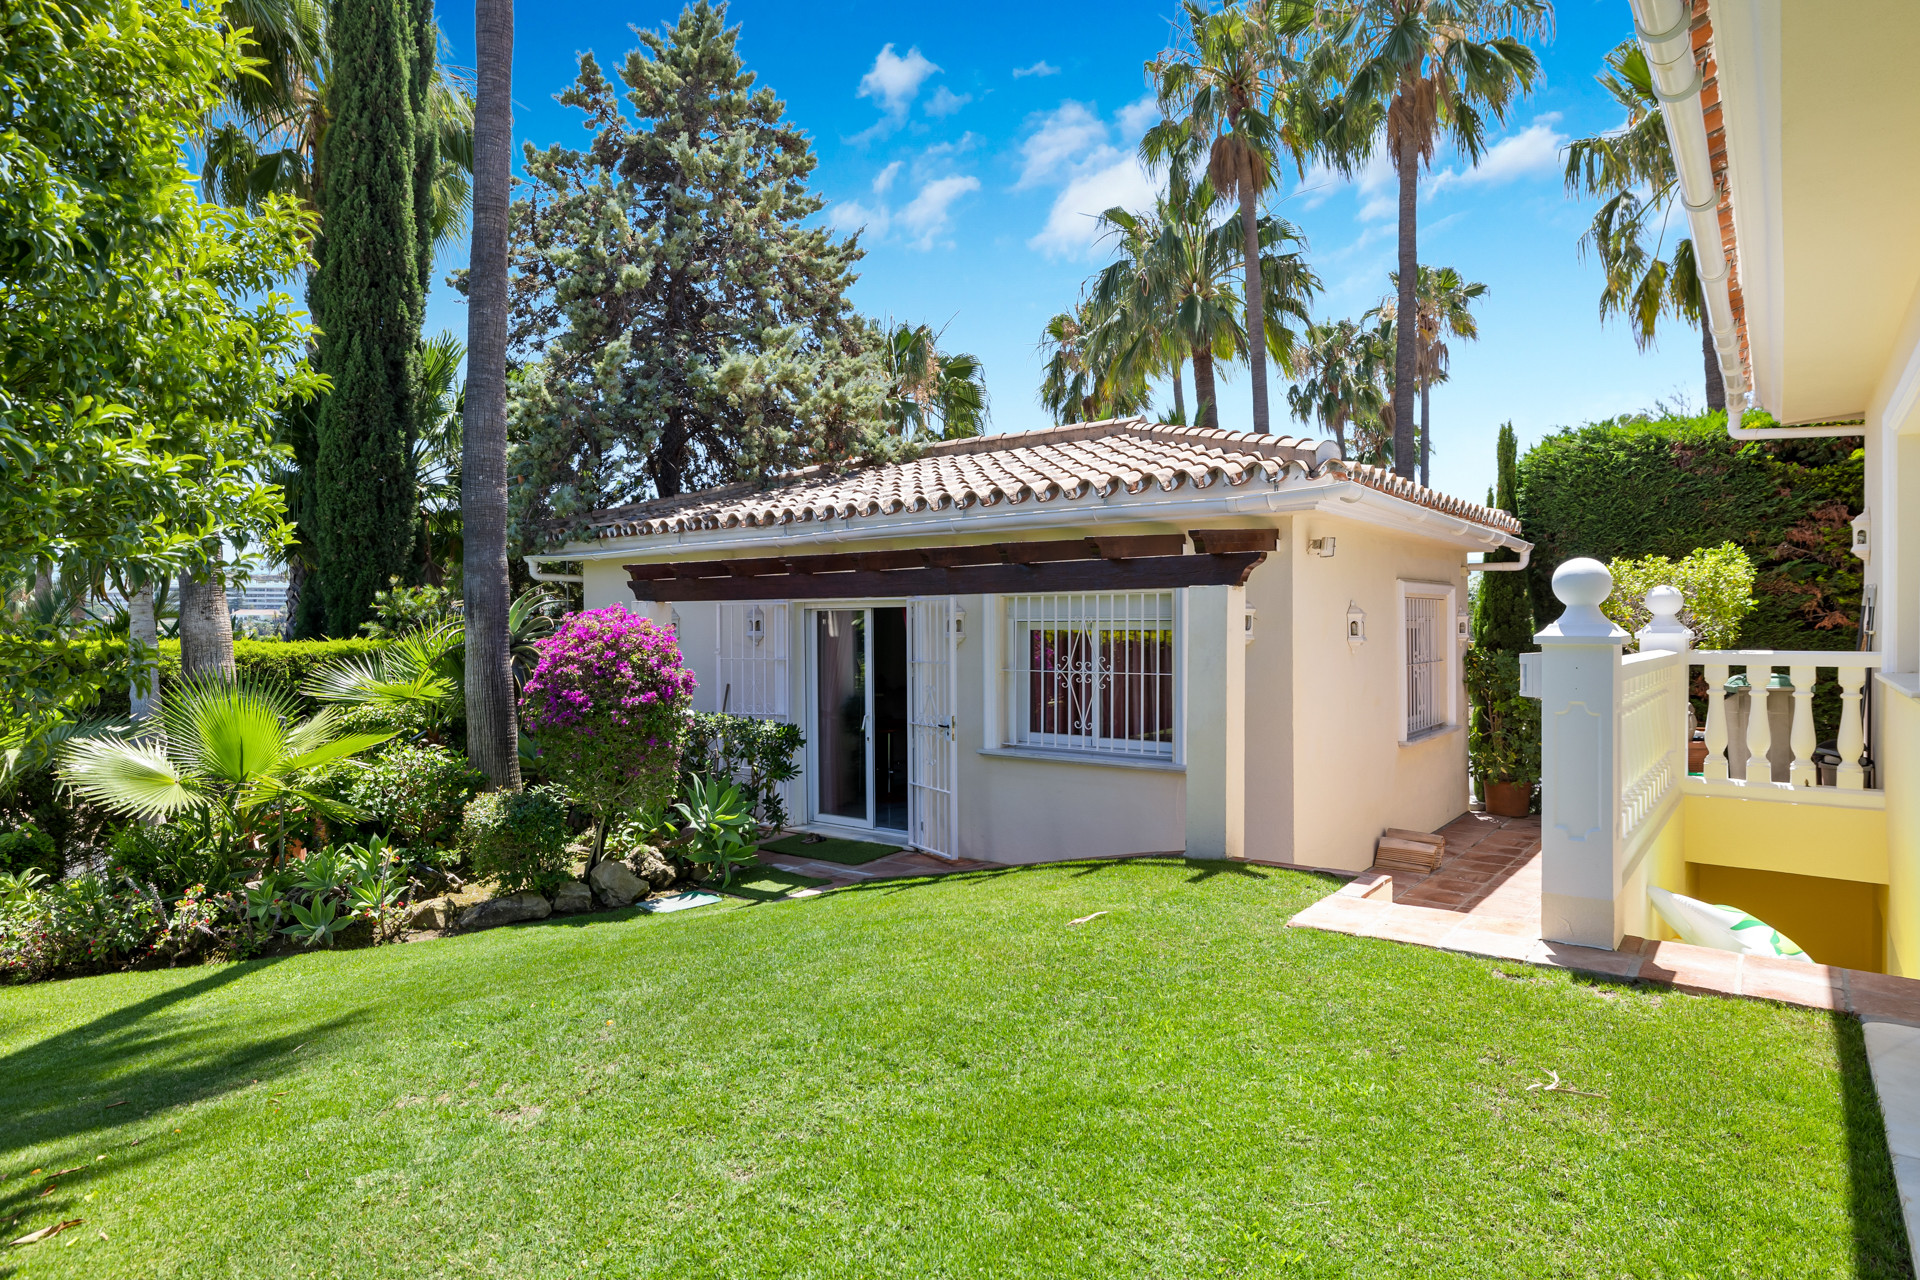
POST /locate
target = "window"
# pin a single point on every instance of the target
(1426, 655)
(750, 659)
(1092, 673)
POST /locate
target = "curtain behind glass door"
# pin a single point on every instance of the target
(841, 649)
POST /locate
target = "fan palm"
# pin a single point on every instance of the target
(1228, 95)
(1632, 169)
(1434, 69)
(231, 755)
(1445, 300)
(931, 393)
(418, 672)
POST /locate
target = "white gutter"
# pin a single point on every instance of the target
(538, 574)
(1665, 29)
(1503, 566)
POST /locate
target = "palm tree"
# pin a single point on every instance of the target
(1435, 69)
(230, 757)
(1228, 94)
(1445, 301)
(492, 734)
(1632, 167)
(264, 138)
(414, 673)
(436, 453)
(931, 393)
(1073, 387)
(1338, 378)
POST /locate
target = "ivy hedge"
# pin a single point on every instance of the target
(1637, 487)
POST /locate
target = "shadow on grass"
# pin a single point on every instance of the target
(1203, 869)
(1880, 1244)
(91, 1081)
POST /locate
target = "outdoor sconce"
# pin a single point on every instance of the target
(959, 624)
(1251, 614)
(1462, 628)
(1356, 626)
(673, 620)
(1322, 547)
(1862, 526)
(756, 625)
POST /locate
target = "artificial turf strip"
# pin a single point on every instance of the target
(935, 1078)
(848, 853)
(764, 884)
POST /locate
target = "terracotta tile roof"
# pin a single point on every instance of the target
(1056, 464)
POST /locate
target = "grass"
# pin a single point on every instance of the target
(935, 1078)
(848, 853)
(765, 884)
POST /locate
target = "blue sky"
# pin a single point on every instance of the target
(974, 144)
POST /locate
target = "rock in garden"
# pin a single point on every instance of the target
(571, 898)
(615, 885)
(652, 868)
(511, 909)
(433, 913)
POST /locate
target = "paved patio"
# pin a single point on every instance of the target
(893, 866)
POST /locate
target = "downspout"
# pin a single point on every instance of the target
(538, 574)
(1665, 30)
(1504, 566)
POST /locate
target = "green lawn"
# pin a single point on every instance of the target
(850, 853)
(939, 1078)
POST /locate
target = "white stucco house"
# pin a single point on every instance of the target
(1100, 639)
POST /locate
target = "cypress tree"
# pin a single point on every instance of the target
(369, 297)
(1503, 618)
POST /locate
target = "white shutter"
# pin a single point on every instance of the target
(932, 761)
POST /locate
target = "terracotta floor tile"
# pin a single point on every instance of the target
(1413, 924)
(1693, 968)
(1562, 955)
(1341, 915)
(1792, 982)
(1881, 995)
(1501, 946)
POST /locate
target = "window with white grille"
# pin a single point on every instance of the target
(1426, 653)
(750, 659)
(1092, 673)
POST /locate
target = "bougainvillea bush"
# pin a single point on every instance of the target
(607, 704)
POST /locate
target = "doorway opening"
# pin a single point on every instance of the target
(860, 708)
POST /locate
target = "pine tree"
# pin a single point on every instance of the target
(369, 297)
(684, 328)
(1503, 617)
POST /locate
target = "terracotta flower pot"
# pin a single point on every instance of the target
(1509, 799)
(1696, 755)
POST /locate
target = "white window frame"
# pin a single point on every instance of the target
(1446, 594)
(1006, 710)
(756, 669)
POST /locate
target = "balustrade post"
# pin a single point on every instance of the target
(1803, 773)
(1759, 768)
(1715, 768)
(1851, 745)
(1580, 872)
(1665, 633)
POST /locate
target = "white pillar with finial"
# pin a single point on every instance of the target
(1580, 873)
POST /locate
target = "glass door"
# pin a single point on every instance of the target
(860, 715)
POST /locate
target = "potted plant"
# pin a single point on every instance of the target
(1503, 735)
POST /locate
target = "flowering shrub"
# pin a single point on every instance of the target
(78, 925)
(607, 703)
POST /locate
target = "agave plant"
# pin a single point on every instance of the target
(418, 671)
(231, 758)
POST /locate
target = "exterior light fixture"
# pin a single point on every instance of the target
(756, 625)
(1356, 626)
(1862, 527)
(1462, 627)
(673, 620)
(959, 624)
(1322, 547)
(1251, 614)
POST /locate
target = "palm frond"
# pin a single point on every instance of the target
(136, 778)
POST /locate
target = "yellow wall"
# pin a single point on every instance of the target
(1798, 839)
(1899, 754)
(1836, 922)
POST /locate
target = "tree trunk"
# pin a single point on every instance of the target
(296, 587)
(143, 690)
(1406, 324)
(1179, 396)
(1426, 430)
(492, 733)
(206, 628)
(1716, 387)
(1206, 409)
(1256, 304)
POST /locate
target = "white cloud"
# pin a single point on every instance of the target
(884, 179)
(1061, 142)
(895, 81)
(849, 216)
(1040, 68)
(945, 101)
(1535, 149)
(1137, 117)
(1072, 228)
(966, 142)
(927, 215)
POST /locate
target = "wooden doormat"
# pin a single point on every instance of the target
(1409, 852)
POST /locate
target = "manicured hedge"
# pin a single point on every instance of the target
(280, 664)
(1668, 486)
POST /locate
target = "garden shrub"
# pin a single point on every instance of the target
(607, 704)
(419, 792)
(518, 839)
(282, 665)
(1638, 487)
(1716, 581)
(756, 754)
(1503, 736)
(78, 925)
(28, 848)
(168, 856)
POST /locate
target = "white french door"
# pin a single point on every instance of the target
(932, 762)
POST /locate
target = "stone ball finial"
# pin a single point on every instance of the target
(1582, 582)
(1665, 603)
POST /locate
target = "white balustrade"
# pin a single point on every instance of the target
(1756, 742)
